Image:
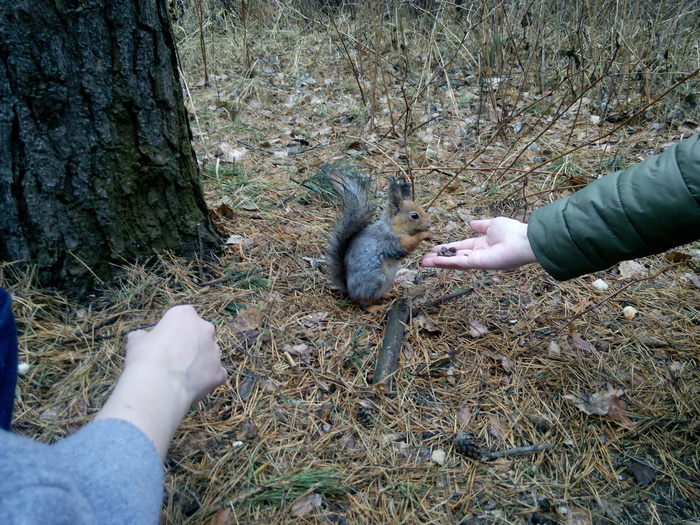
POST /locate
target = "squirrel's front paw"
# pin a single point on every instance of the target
(376, 309)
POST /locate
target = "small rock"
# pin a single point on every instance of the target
(542, 425)
(554, 350)
(643, 474)
(600, 285)
(629, 312)
(438, 456)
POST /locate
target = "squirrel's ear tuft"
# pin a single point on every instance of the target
(399, 190)
(394, 194)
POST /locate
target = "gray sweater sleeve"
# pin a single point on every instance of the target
(108, 472)
(645, 209)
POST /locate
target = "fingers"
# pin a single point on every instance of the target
(480, 225)
(456, 262)
(466, 244)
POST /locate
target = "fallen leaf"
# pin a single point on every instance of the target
(222, 208)
(578, 517)
(675, 367)
(426, 136)
(245, 387)
(423, 322)
(296, 349)
(300, 350)
(247, 430)
(643, 474)
(692, 277)
(268, 386)
(234, 239)
(631, 269)
(313, 319)
(314, 263)
(598, 403)
(245, 326)
(246, 338)
(221, 517)
(247, 319)
(651, 341)
(477, 329)
(499, 427)
(305, 505)
(232, 154)
(674, 256)
(347, 441)
(580, 344)
(553, 350)
(464, 415)
(618, 412)
(584, 304)
(406, 276)
(507, 364)
(605, 402)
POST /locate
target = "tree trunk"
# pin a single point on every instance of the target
(96, 162)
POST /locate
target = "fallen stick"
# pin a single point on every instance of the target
(442, 299)
(518, 450)
(391, 346)
(398, 316)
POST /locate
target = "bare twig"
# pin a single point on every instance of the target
(518, 450)
(442, 299)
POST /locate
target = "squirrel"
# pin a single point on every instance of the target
(363, 257)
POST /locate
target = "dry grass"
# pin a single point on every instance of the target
(292, 422)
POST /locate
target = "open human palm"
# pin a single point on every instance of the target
(504, 245)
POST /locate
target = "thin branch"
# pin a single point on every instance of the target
(518, 450)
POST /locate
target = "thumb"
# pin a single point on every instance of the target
(135, 336)
(133, 346)
(480, 226)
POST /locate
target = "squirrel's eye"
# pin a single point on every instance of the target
(414, 215)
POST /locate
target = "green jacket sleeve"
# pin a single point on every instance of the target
(645, 209)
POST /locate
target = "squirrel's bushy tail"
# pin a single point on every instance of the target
(355, 215)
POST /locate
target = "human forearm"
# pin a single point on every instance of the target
(115, 467)
(645, 209)
(150, 402)
(166, 370)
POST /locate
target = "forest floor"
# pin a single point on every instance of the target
(299, 434)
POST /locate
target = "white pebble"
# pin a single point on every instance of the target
(600, 285)
(23, 368)
(438, 456)
(629, 312)
(554, 349)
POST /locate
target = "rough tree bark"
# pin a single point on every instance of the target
(96, 162)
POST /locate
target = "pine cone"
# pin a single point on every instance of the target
(465, 444)
(365, 416)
